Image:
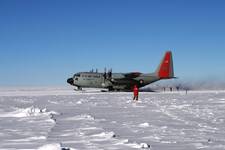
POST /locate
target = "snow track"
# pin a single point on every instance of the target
(104, 121)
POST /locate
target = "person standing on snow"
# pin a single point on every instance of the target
(136, 91)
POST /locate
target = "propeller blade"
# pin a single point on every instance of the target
(104, 75)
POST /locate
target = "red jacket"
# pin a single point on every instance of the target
(135, 90)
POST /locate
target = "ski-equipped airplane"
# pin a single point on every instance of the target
(123, 81)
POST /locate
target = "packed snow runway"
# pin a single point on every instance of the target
(63, 119)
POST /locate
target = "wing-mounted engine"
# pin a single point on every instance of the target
(108, 75)
(120, 80)
(107, 78)
(128, 79)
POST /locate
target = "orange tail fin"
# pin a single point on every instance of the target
(165, 69)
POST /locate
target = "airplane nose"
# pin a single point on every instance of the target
(70, 81)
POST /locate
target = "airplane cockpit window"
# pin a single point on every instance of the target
(77, 75)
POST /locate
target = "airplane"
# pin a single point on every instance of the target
(123, 81)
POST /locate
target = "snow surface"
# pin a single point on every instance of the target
(62, 119)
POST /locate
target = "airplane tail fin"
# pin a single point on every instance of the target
(165, 69)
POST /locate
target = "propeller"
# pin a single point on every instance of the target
(104, 75)
(107, 75)
(110, 74)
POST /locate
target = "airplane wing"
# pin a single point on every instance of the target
(127, 78)
(132, 75)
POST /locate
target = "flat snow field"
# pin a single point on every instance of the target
(62, 119)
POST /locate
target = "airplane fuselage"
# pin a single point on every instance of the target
(123, 81)
(97, 80)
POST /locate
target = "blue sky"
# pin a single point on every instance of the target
(44, 42)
